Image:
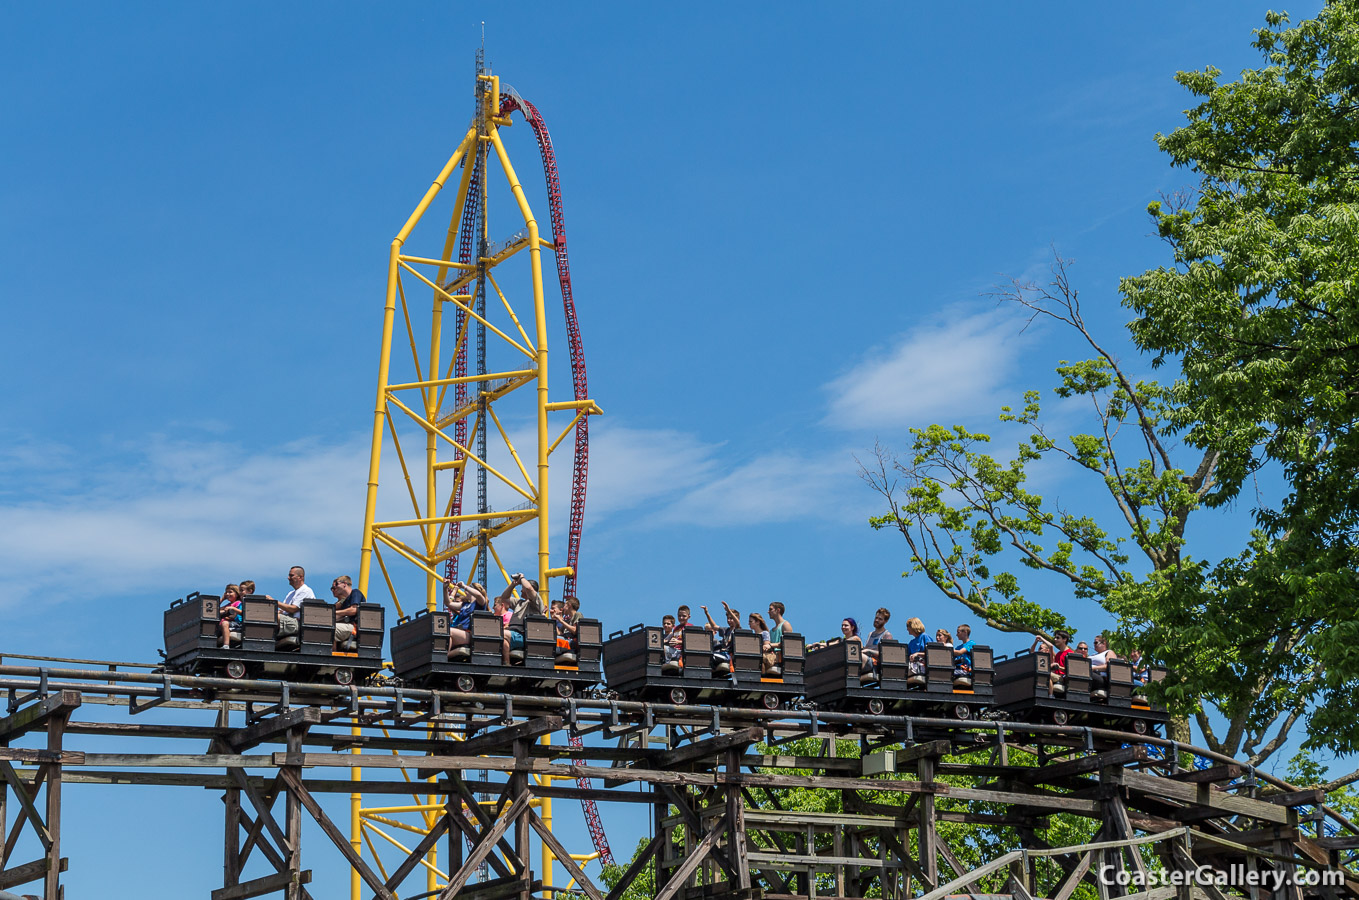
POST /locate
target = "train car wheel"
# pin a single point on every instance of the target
(344, 675)
(1060, 717)
(465, 683)
(235, 668)
(770, 701)
(962, 712)
(875, 706)
(565, 689)
(678, 696)
(1139, 726)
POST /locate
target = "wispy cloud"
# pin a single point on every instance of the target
(959, 362)
(171, 516)
(781, 486)
(177, 516)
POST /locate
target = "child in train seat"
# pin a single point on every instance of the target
(672, 637)
(565, 615)
(231, 616)
(915, 648)
(962, 652)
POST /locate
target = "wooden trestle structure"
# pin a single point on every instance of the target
(716, 781)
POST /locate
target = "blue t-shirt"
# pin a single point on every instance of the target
(917, 644)
(463, 617)
(966, 647)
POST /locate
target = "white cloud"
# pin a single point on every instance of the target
(955, 364)
(173, 516)
(177, 516)
(780, 486)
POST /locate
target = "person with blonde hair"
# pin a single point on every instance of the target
(916, 646)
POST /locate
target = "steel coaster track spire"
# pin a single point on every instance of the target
(469, 275)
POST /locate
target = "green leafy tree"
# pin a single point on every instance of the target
(976, 529)
(643, 887)
(1260, 311)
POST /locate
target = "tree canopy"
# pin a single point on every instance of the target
(1256, 316)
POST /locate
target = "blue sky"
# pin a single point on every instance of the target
(782, 221)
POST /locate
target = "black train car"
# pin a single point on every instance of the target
(1023, 691)
(834, 680)
(192, 634)
(636, 668)
(420, 655)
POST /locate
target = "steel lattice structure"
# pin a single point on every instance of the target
(456, 276)
(467, 270)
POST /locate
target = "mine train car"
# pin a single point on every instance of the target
(1024, 691)
(836, 679)
(636, 667)
(192, 636)
(420, 655)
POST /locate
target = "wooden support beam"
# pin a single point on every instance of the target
(1259, 836)
(564, 857)
(1063, 803)
(495, 740)
(292, 816)
(500, 888)
(264, 814)
(485, 820)
(736, 826)
(710, 747)
(27, 809)
(484, 846)
(242, 739)
(259, 886)
(1311, 797)
(469, 831)
(337, 837)
(1081, 766)
(1226, 772)
(30, 871)
(926, 750)
(694, 823)
(540, 767)
(231, 846)
(691, 862)
(39, 757)
(1203, 796)
(61, 703)
(56, 727)
(1349, 842)
(416, 855)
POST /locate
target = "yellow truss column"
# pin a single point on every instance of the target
(416, 400)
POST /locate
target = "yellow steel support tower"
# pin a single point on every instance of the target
(419, 405)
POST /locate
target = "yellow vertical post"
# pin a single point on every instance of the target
(540, 321)
(385, 355)
(379, 417)
(545, 808)
(355, 821)
(432, 449)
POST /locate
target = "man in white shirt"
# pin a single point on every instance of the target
(291, 605)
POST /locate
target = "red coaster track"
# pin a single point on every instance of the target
(467, 242)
